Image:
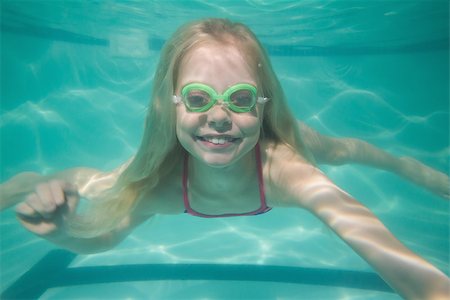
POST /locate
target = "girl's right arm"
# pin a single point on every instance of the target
(87, 180)
(45, 213)
(15, 190)
(45, 202)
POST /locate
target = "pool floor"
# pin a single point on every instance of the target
(53, 278)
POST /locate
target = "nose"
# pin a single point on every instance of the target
(219, 118)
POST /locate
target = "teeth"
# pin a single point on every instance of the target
(218, 141)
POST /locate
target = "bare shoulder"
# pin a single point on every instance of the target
(289, 177)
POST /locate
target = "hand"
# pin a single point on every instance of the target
(45, 211)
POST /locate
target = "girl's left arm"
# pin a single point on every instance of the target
(340, 151)
(407, 273)
(294, 182)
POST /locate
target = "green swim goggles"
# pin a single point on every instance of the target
(198, 97)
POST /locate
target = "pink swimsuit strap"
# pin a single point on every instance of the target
(262, 209)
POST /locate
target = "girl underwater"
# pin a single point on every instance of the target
(220, 141)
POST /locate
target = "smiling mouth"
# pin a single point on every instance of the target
(217, 140)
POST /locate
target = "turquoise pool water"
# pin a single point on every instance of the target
(75, 81)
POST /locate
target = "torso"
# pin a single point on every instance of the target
(278, 163)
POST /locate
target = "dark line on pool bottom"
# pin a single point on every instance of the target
(52, 271)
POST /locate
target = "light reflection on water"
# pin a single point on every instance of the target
(63, 98)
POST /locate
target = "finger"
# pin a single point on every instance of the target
(33, 221)
(72, 196)
(69, 187)
(26, 211)
(35, 203)
(56, 188)
(45, 202)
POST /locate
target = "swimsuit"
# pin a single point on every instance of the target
(262, 209)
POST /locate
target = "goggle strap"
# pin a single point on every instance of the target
(262, 100)
(176, 99)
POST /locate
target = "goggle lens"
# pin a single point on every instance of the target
(197, 98)
(243, 98)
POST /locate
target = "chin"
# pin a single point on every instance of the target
(217, 160)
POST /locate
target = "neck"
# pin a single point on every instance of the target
(232, 178)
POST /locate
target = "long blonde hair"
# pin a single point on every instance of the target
(160, 151)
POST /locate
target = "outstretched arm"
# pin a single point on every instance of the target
(296, 183)
(88, 181)
(46, 202)
(14, 191)
(338, 151)
(408, 274)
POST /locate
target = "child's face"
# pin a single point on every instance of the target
(219, 137)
